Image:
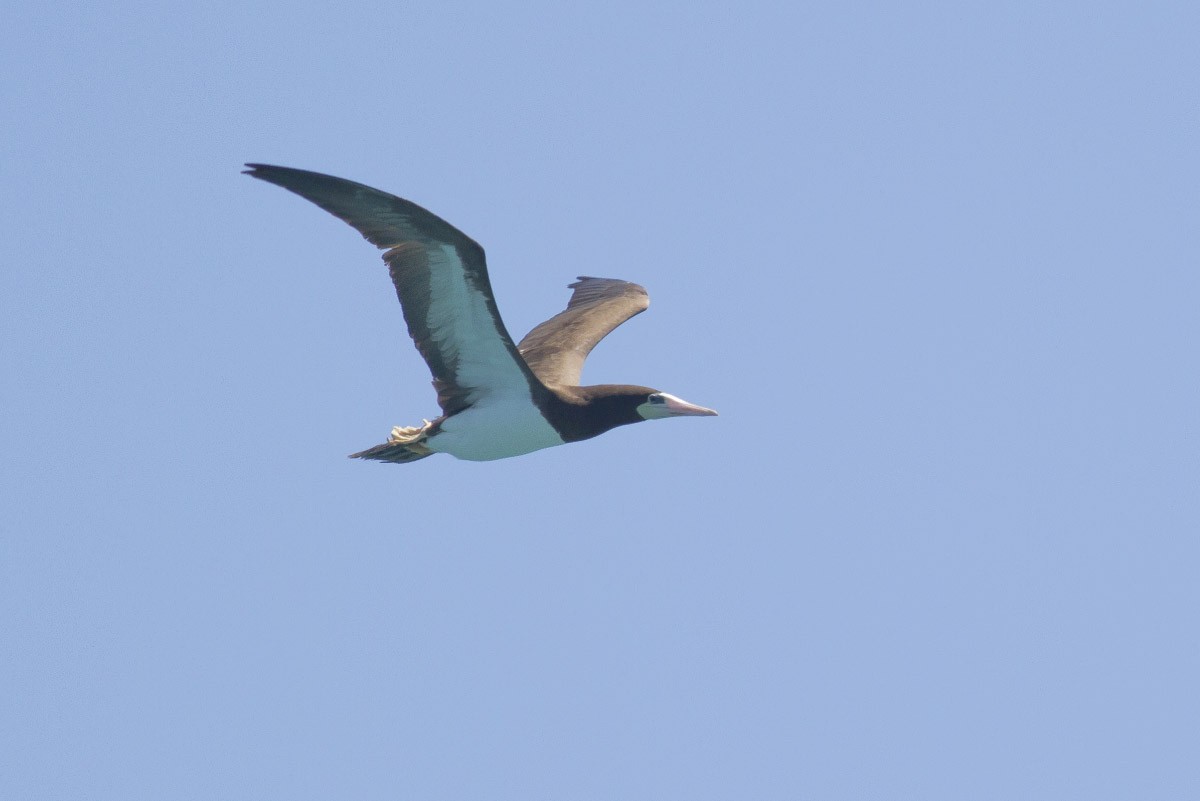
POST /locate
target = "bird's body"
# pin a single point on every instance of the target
(495, 430)
(498, 399)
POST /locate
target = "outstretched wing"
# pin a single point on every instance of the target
(442, 282)
(557, 348)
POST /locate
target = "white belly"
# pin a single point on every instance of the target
(495, 430)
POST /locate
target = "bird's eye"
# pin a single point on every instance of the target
(657, 399)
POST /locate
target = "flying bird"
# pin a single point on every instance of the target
(498, 399)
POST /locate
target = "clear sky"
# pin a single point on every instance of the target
(936, 264)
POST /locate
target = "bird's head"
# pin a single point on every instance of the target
(658, 405)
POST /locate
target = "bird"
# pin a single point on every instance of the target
(498, 399)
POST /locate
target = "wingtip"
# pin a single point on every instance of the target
(274, 174)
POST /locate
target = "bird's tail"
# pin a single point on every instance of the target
(404, 445)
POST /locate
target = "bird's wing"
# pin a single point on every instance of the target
(442, 282)
(557, 348)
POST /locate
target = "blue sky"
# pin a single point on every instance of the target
(935, 264)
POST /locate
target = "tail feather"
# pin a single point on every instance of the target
(404, 445)
(395, 452)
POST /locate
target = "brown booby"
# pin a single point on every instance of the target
(498, 399)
